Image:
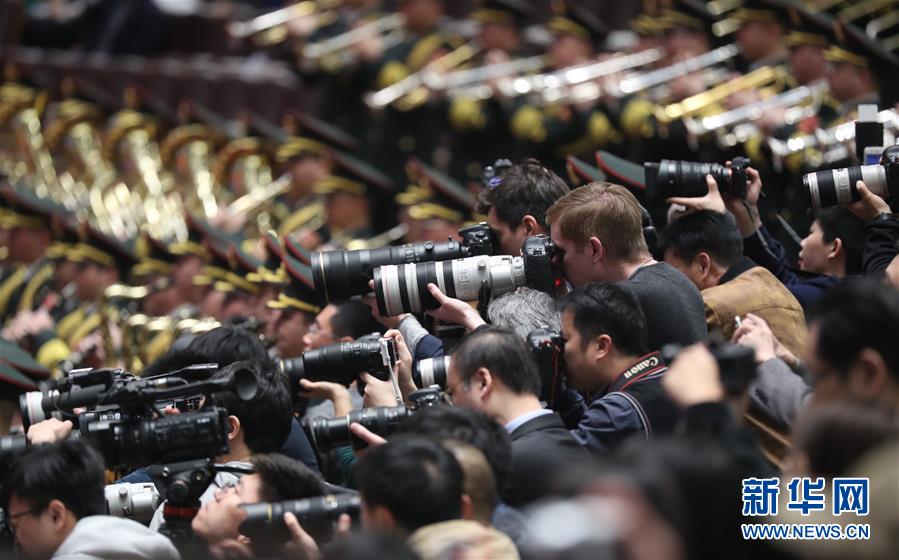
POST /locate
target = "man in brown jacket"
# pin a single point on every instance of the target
(708, 249)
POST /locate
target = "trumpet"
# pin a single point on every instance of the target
(759, 78)
(390, 25)
(831, 137)
(564, 84)
(648, 80)
(736, 126)
(271, 23)
(461, 81)
(412, 84)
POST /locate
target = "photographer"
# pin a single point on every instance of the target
(516, 203)
(852, 352)
(599, 229)
(881, 253)
(260, 425)
(413, 487)
(607, 356)
(831, 250)
(492, 370)
(707, 248)
(54, 503)
(275, 478)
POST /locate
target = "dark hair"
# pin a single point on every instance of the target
(834, 436)
(416, 479)
(285, 479)
(354, 319)
(228, 344)
(474, 427)
(856, 314)
(610, 309)
(265, 419)
(222, 345)
(504, 353)
(70, 471)
(840, 223)
(525, 188)
(703, 232)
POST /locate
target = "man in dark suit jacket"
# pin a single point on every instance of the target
(492, 370)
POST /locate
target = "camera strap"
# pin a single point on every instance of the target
(648, 365)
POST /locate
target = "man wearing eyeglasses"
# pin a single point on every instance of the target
(55, 505)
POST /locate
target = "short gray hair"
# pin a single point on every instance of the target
(523, 311)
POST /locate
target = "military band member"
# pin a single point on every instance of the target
(295, 309)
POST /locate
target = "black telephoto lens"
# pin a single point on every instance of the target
(328, 433)
(338, 363)
(684, 178)
(340, 275)
(318, 510)
(431, 371)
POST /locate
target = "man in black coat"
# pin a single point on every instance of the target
(492, 370)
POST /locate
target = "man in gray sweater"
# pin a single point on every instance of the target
(53, 496)
(599, 229)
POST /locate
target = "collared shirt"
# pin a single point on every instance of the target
(517, 422)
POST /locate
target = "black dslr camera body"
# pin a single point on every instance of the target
(687, 179)
(548, 350)
(736, 363)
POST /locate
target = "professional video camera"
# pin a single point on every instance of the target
(343, 362)
(403, 288)
(310, 512)
(339, 275)
(837, 186)
(124, 419)
(546, 346)
(328, 433)
(686, 178)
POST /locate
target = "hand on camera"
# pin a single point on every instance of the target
(454, 311)
(301, 544)
(334, 392)
(377, 392)
(712, 201)
(49, 431)
(869, 205)
(389, 322)
(755, 333)
(229, 549)
(403, 364)
(366, 435)
(693, 377)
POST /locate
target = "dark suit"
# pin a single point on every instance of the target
(541, 448)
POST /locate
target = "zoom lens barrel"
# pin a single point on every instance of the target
(340, 363)
(837, 186)
(328, 433)
(431, 371)
(340, 275)
(308, 511)
(404, 288)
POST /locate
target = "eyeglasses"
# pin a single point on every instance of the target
(13, 516)
(450, 391)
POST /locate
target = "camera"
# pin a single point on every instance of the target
(403, 288)
(310, 511)
(736, 363)
(328, 433)
(548, 350)
(837, 186)
(136, 500)
(340, 275)
(343, 362)
(687, 178)
(431, 371)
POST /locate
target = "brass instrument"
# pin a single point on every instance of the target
(268, 29)
(762, 77)
(577, 83)
(45, 181)
(257, 198)
(736, 126)
(409, 92)
(642, 82)
(876, 26)
(466, 83)
(830, 139)
(381, 240)
(117, 305)
(334, 51)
